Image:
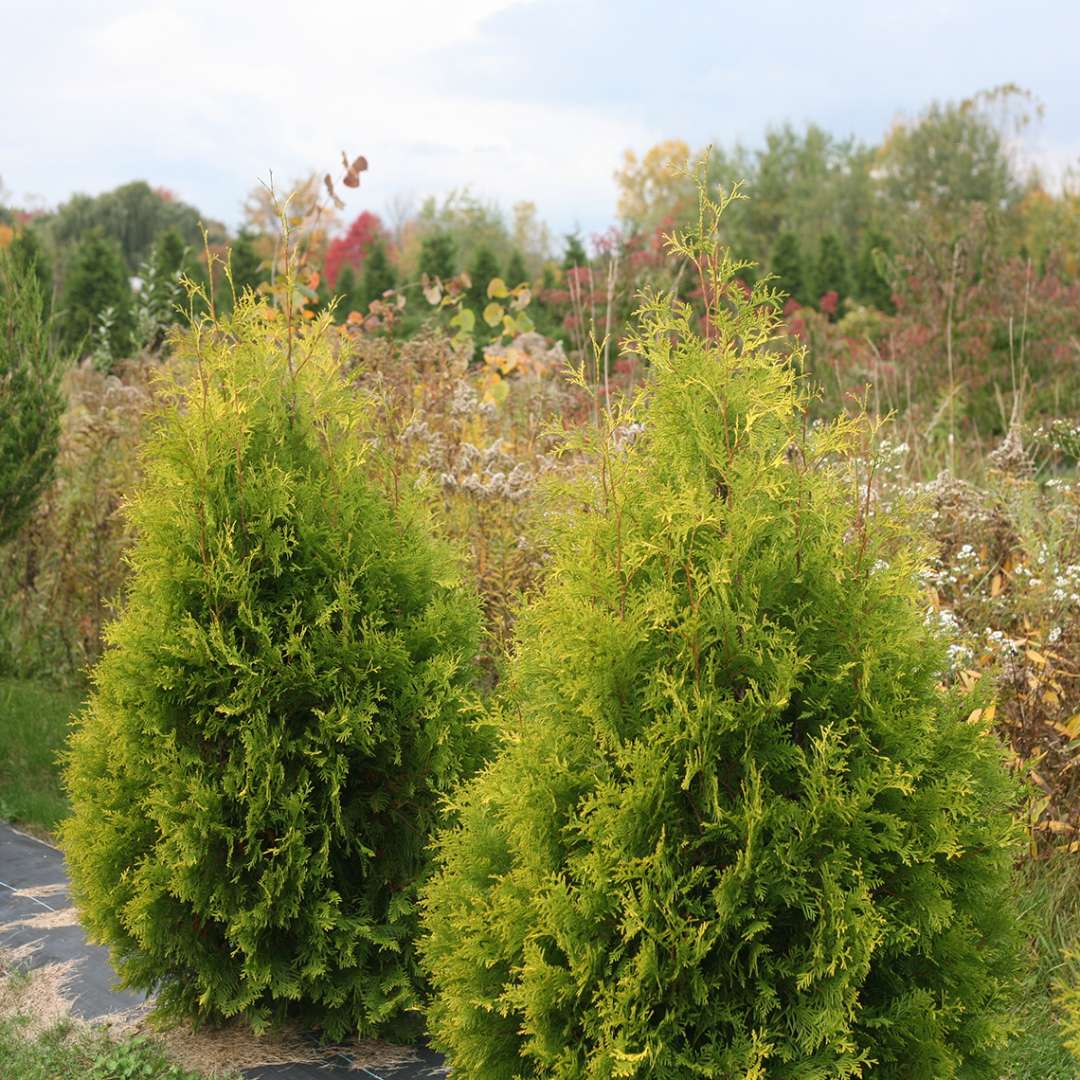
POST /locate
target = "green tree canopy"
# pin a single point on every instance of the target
(133, 215)
(952, 155)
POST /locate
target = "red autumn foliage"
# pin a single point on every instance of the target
(352, 248)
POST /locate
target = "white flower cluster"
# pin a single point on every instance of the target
(1066, 585)
(1000, 642)
(959, 651)
(890, 459)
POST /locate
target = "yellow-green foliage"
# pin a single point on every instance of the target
(282, 702)
(736, 829)
(1069, 1000)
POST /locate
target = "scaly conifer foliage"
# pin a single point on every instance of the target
(736, 828)
(283, 700)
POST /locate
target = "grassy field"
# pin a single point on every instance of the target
(33, 727)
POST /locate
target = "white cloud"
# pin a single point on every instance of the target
(208, 98)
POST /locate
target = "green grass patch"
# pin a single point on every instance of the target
(1049, 896)
(33, 730)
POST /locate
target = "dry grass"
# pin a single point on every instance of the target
(44, 996)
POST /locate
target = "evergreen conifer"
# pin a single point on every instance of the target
(517, 273)
(378, 272)
(831, 269)
(787, 267)
(30, 397)
(574, 255)
(29, 254)
(484, 267)
(438, 255)
(736, 829)
(97, 281)
(348, 291)
(283, 702)
(169, 254)
(245, 263)
(871, 285)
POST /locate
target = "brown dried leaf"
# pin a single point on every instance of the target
(353, 171)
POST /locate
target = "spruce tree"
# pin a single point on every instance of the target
(871, 285)
(31, 401)
(787, 267)
(283, 702)
(736, 828)
(574, 255)
(484, 267)
(517, 273)
(438, 255)
(378, 272)
(831, 269)
(348, 293)
(96, 281)
(245, 263)
(169, 255)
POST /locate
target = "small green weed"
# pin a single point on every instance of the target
(136, 1059)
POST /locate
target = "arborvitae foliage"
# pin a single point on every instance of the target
(575, 253)
(30, 398)
(378, 272)
(788, 268)
(282, 703)
(438, 255)
(96, 281)
(831, 269)
(517, 273)
(871, 285)
(736, 829)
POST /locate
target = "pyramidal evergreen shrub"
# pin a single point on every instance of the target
(282, 703)
(736, 828)
(31, 397)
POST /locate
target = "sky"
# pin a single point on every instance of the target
(513, 99)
